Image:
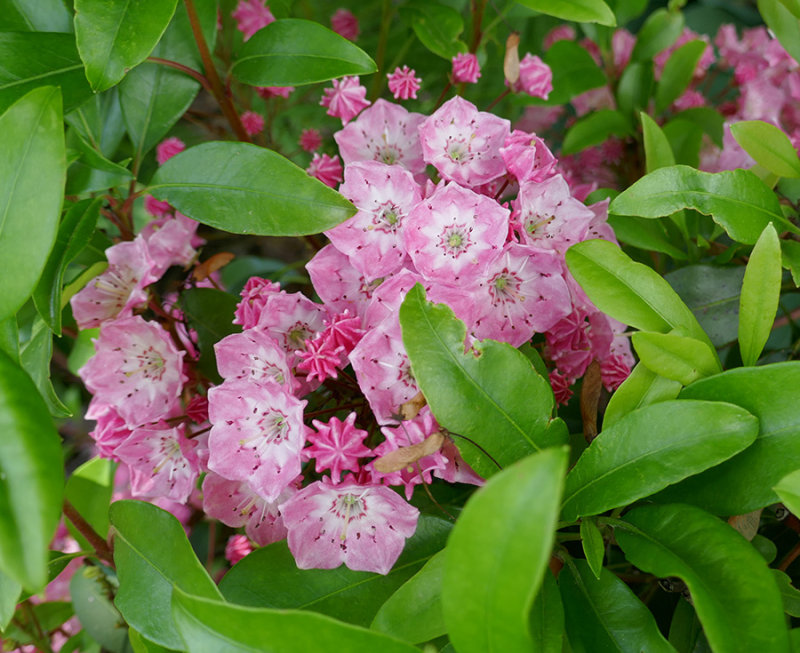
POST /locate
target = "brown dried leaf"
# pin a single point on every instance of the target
(411, 408)
(396, 460)
(590, 399)
(747, 524)
(511, 61)
(212, 264)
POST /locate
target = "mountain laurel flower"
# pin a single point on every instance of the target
(345, 24)
(320, 359)
(346, 99)
(310, 139)
(238, 547)
(251, 16)
(266, 92)
(168, 148)
(535, 77)
(252, 122)
(326, 168)
(466, 68)
(403, 84)
(336, 445)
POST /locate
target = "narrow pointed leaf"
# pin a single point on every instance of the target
(761, 291)
(653, 447)
(32, 173)
(603, 614)
(495, 398)
(9, 597)
(790, 595)
(35, 357)
(733, 591)
(293, 52)
(487, 598)
(676, 357)
(547, 618)
(737, 200)
(593, 546)
(580, 11)
(641, 388)
(31, 478)
(246, 189)
(657, 150)
(769, 146)
(678, 73)
(116, 35)
(209, 626)
(783, 23)
(788, 489)
(150, 561)
(661, 29)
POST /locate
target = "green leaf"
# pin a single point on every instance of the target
(594, 548)
(644, 234)
(628, 291)
(208, 626)
(657, 150)
(790, 258)
(293, 52)
(114, 36)
(789, 593)
(653, 447)
(31, 478)
(745, 482)
(783, 23)
(45, 616)
(35, 358)
(732, 590)
(74, 233)
(90, 592)
(92, 172)
(414, 612)
(150, 562)
(574, 71)
(641, 388)
(39, 16)
(661, 29)
(769, 146)
(140, 644)
(547, 618)
(793, 6)
(487, 598)
(9, 337)
(210, 313)
(82, 350)
(595, 128)
(635, 87)
(437, 26)
(685, 139)
(788, 490)
(32, 173)
(99, 121)
(737, 200)
(9, 597)
(603, 614)
(246, 189)
(89, 489)
(580, 11)
(491, 395)
(761, 289)
(678, 72)
(627, 10)
(676, 357)
(35, 59)
(269, 578)
(709, 120)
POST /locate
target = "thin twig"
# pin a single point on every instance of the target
(100, 546)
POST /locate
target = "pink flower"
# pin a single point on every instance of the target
(253, 356)
(338, 283)
(689, 100)
(403, 84)
(527, 157)
(110, 431)
(613, 371)
(343, 330)
(320, 359)
(310, 139)
(291, 320)
(336, 446)
(168, 148)
(346, 99)
(535, 77)
(362, 526)
(558, 33)
(169, 242)
(266, 92)
(345, 24)
(465, 68)
(254, 295)
(197, 409)
(155, 207)
(327, 169)
(561, 388)
(251, 16)
(238, 547)
(622, 43)
(252, 122)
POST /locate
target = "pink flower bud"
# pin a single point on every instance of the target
(466, 68)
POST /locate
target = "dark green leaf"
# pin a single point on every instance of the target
(117, 35)
(31, 478)
(92, 172)
(492, 395)
(246, 189)
(736, 199)
(35, 357)
(769, 146)
(9, 596)
(635, 87)
(653, 447)
(90, 592)
(414, 612)
(678, 73)
(594, 547)
(708, 119)
(645, 234)
(595, 128)
(685, 628)
(45, 616)
(151, 561)
(627, 10)
(208, 626)
(641, 388)
(99, 121)
(140, 644)
(732, 590)
(685, 139)
(676, 357)
(39, 16)
(487, 598)
(9, 337)
(783, 23)
(547, 618)
(89, 489)
(574, 71)
(437, 26)
(293, 52)
(580, 11)
(661, 29)
(745, 482)
(789, 593)
(603, 614)
(74, 233)
(210, 313)
(32, 172)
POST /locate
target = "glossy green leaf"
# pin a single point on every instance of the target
(685, 138)
(676, 357)
(630, 292)
(678, 72)
(745, 482)
(90, 592)
(487, 598)
(270, 578)
(627, 10)
(210, 313)
(89, 490)
(789, 593)
(657, 150)
(788, 490)
(209, 626)
(31, 478)
(768, 145)
(708, 119)
(114, 36)
(34, 59)
(140, 644)
(293, 52)
(32, 172)
(150, 561)
(574, 71)
(491, 395)
(594, 548)
(74, 233)
(653, 447)
(732, 590)
(99, 121)
(45, 616)
(92, 172)
(783, 23)
(641, 388)
(603, 614)
(761, 289)
(9, 337)
(793, 6)
(635, 87)
(246, 189)
(736, 199)
(9, 596)
(437, 26)
(580, 11)
(661, 29)
(595, 128)
(546, 620)
(34, 356)
(790, 258)
(82, 350)
(39, 16)
(414, 612)
(645, 234)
